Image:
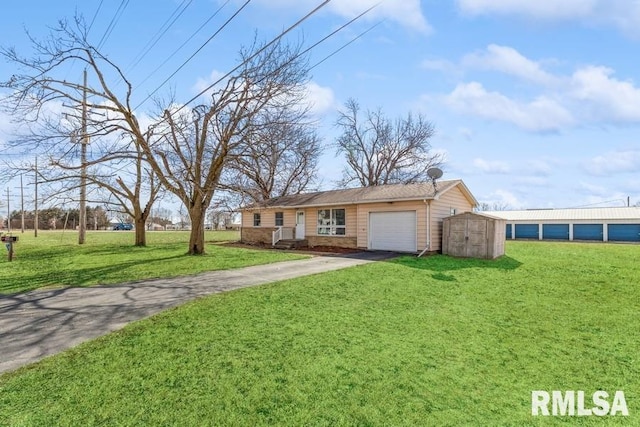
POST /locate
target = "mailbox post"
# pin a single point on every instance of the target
(9, 241)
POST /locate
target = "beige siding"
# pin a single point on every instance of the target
(268, 217)
(442, 208)
(363, 219)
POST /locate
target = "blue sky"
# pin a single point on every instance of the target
(536, 104)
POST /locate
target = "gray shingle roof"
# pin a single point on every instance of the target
(381, 193)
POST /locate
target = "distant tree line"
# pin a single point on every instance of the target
(59, 219)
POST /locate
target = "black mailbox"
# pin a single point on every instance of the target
(9, 238)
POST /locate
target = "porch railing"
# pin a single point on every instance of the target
(276, 236)
(281, 233)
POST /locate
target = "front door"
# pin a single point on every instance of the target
(300, 225)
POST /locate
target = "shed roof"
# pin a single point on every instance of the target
(479, 214)
(380, 193)
(595, 214)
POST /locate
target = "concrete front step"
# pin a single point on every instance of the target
(291, 244)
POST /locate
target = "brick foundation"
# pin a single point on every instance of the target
(338, 242)
(257, 235)
(263, 235)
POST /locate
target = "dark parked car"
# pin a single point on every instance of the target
(123, 226)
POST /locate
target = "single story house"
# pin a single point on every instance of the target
(399, 217)
(613, 224)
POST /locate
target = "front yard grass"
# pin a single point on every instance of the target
(434, 341)
(55, 259)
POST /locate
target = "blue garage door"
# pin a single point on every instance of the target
(509, 231)
(624, 232)
(526, 231)
(555, 231)
(587, 231)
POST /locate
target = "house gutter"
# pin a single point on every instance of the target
(428, 203)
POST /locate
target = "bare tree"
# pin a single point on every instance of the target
(380, 151)
(192, 149)
(281, 158)
(495, 206)
(56, 113)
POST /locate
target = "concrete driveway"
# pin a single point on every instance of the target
(37, 324)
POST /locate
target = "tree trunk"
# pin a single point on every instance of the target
(141, 232)
(196, 239)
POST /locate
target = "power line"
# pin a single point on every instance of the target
(624, 203)
(196, 52)
(345, 45)
(184, 43)
(95, 15)
(331, 34)
(93, 20)
(177, 13)
(112, 24)
(258, 52)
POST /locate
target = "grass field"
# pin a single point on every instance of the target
(55, 259)
(433, 341)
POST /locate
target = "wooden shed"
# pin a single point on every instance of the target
(473, 235)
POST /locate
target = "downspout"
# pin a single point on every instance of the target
(428, 203)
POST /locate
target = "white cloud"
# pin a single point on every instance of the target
(605, 96)
(591, 94)
(593, 189)
(203, 83)
(321, 99)
(543, 114)
(407, 13)
(553, 10)
(600, 195)
(622, 14)
(502, 197)
(491, 166)
(509, 61)
(614, 162)
(6, 128)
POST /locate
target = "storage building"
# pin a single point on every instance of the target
(620, 224)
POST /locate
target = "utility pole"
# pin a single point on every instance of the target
(21, 205)
(83, 160)
(35, 214)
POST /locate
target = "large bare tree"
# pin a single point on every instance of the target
(189, 150)
(281, 158)
(381, 151)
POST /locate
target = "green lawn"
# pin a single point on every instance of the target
(433, 341)
(55, 259)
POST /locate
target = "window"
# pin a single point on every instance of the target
(256, 220)
(331, 222)
(279, 219)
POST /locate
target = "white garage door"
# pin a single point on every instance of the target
(393, 231)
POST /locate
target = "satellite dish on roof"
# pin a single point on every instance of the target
(434, 173)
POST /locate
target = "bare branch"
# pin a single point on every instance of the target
(379, 151)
